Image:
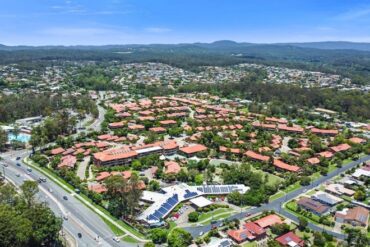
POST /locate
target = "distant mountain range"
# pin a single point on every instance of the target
(225, 45)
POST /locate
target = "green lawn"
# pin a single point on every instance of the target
(206, 216)
(272, 179)
(292, 187)
(115, 230)
(250, 244)
(276, 196)
(129, 239)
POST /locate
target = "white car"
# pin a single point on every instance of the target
(116, 239)
(201, 233)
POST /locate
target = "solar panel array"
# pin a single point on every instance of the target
(164, 209)
(190, 194)
(217, 189)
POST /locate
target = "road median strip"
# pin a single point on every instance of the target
(70, 189)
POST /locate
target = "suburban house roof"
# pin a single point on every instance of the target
(312, 205)
(324, 131)
(290, 239)
(358, 214)
(172, 167)
(326, 154)
(56, 151)
(268, 221)
(282, 165)
(193, 149)
(340, 148)
(250, 231)
(256, 156)
(357, 140)
(313, 161)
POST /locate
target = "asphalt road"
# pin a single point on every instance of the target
(80, 218)
(276, 205)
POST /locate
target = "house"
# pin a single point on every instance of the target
(357, 216)
(286, 167)
(136, 127)
(357, 140)
(190, 151)
(326, 154)
(57, 151)
(157, 130)
(171, 167)
(340, 148)
(313, 206)
(313, 161)
(68, 161)
(268, 221)
(230, 150)
(326, 198)
(250, 231)
(167, 122)
(256, 156)
(290, 239)
(116, 125)
(114, 157)
(318, 131)
(339, 189)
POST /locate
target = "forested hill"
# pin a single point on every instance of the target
(348, 59)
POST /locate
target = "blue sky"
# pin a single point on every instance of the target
(98, 22)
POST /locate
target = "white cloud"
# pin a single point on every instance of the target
(157, 30)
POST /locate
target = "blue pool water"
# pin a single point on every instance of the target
(21, 137)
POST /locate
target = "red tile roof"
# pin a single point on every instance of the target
(172, 167)
(68, 161)
(268, 221)
(326, 154)
(56, 151)
(340, 148)
(167, 122)
(357, 140)
(193, 149)
(324, 131)
(290, 237)
(313, 161)
(257, 156)
(282, 165)
(157, 129)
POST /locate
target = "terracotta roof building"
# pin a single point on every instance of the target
(313, 206)
(340, 148)
(193, 150)
(268, 221)
(284, 166)
(256, 156)
(290, 239)
(324, 131)
(250, 231)
(357, 216)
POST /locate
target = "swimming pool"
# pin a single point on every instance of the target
(22, 137)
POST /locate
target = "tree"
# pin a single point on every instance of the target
(280, 229)
(149, 244)
(15, 230)
(154, 185)
(360, 195)
(29, 190)
(357, 238)
(193, 216)
(3, 139)
(158, 235)
(302, 223)
(179, 238)
(305, 181)
(319, 239)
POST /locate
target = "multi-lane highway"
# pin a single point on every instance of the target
(277, 204)
(77, 217)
